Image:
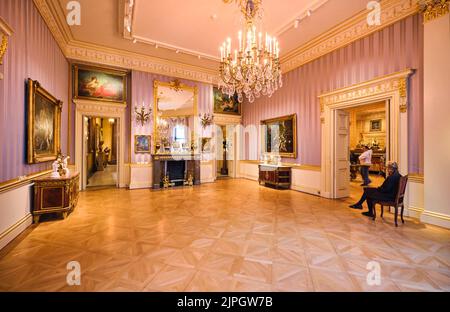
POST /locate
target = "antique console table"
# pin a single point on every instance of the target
(177, 169)
(278, 176)
(55, 195)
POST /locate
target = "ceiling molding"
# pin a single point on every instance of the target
(351, 30)
(80, 51)
(345, 33)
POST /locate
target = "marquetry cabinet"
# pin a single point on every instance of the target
(55, 195)
(277, 176)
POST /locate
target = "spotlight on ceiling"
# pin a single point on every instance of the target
(134, 40)
(309, 12)
(296, 23)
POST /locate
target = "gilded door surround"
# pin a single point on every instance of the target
(99, 109)
(392, 88)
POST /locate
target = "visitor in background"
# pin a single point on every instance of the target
(365, 161)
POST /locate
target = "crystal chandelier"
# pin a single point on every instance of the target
(254, 68)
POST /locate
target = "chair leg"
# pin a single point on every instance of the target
(403, 208)
(396, 215)
(374, 207)
(382, 211)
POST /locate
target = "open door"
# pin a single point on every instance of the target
(341, 154)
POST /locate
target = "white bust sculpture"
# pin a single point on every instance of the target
(65, 163)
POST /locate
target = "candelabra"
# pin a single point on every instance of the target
(142, 115)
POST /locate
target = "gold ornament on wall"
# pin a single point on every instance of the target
(432, 9)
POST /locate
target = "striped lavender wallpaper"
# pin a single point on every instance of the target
(32, 53)
(390, 50)
(142, 91)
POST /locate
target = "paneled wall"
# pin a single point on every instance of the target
(390, 50)
(32, 53)
(142, 92)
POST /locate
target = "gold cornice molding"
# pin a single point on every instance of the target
(397, 82)
(80, 51)
(123, 59)
(432, 9)
(347, 32)
(227, 119)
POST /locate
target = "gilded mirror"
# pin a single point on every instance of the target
(174, 126)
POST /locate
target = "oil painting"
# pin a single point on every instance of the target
(223, 104)
(44, 124)
(99, 84)
(281, 136)
(142, 144)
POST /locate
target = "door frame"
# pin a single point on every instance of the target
(84, 108)
(393, 88)
(84, 179)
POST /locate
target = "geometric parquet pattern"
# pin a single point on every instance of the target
(233, 235)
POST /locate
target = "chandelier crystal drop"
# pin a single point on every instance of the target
(253, 69)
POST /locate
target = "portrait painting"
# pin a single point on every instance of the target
(223, 104)
(142, 144)
(375, 125)
(206, 145)
(99, 84)
(44, 124)
(281, 136)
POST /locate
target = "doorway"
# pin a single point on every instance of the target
(226, 151)
(100, 152)
(368, 130)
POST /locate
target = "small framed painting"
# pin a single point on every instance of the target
(44, 124)
(142, 144)
(223, 104)
(92, 83)
(375, 125)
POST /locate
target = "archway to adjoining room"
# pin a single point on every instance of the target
(108, 115)
(368, 128)
(100, 152)
(392, 90)
(227, 149)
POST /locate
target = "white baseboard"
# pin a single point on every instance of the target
(435, 218)
(140, 185)
(12, 232)
(249, 177)
(305, 189)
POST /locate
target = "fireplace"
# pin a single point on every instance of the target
(178, 168)
(176, 171)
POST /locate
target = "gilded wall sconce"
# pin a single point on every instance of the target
(206, 120)
(142, 115)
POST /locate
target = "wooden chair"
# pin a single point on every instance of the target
(399, 201)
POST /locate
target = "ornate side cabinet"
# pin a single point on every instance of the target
(55, 195)
(277, 176)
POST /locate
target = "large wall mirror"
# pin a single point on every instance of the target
(174, 126)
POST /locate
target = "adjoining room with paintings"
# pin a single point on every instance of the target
(251, 146)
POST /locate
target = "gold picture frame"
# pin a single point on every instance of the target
(99, 84)
(44, 124)
(142, 144)
(287, 139)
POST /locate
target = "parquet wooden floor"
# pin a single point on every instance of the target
(233, 235)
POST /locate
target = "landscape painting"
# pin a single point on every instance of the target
(44, 124)
(142, 144)
(99, 84)
(223, 104)
(281, 136)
